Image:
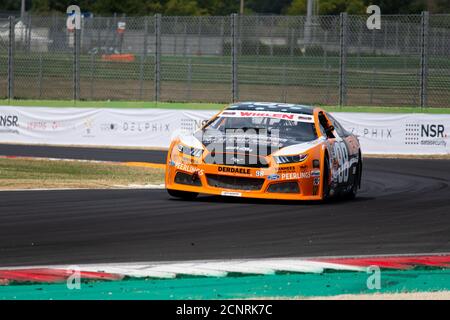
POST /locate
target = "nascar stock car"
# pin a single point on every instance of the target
(266, 150)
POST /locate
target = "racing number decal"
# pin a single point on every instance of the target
(341, 152)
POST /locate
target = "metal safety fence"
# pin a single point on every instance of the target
(330, 60)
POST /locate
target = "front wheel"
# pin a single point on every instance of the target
(356, 181)
(185, 195)
(326, 180)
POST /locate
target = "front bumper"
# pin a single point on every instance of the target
(298, 181)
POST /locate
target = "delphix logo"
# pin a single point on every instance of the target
(110, 126)
(135, 126)
(378, 133)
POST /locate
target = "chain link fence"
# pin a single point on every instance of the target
(115, 63)
(330, 60)
(4, 46)
(42, 59)
(383, 66)
(288, 59)
(195, 59)
(438, 90)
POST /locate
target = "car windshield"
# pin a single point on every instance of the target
(300, 131)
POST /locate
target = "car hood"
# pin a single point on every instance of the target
(251, 144)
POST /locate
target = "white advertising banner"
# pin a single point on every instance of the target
(378, 133)
(104, 127)
(412, 133)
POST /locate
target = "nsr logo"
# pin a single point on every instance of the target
(432, 131)
(9, 121)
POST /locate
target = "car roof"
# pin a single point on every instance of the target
(272, 106)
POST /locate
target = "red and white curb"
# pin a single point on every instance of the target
(218, 268)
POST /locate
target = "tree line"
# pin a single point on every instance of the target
(225, 7)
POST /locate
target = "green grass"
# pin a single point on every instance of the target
(371, 79)
(201, 106)
(113, 104)
(399, 72)
(319, 71)
(387, 109)
(280, 285)
(31, 174)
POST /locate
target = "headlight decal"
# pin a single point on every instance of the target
(190, 151)
(290, 159)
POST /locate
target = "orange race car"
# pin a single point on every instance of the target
(266, 150)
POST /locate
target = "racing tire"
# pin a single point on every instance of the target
(185, 195)
(325, 182)
(356, 181)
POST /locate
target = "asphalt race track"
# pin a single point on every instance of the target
(83, 153)
(404, 207)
